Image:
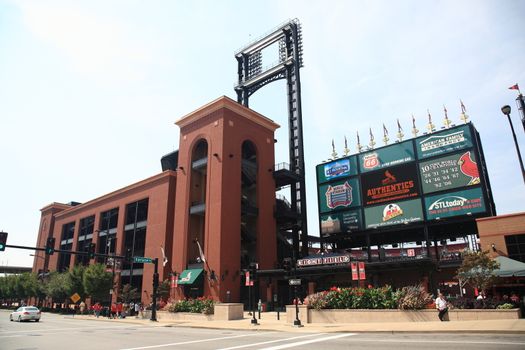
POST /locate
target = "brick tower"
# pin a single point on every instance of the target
(225, 200)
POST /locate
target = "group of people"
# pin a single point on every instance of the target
(117, 310)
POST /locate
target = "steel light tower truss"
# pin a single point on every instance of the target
(252, 77)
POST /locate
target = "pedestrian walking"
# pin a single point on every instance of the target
(137, 309)
(82, 307)
(441, 306)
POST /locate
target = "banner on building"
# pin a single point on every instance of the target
(390, 184)
(337, 169)
(342, 194)
(362, 273)
(394, 213)
(455, 204)
(341, 222)
(386, 157)
(442, 142)
(355, 275)
(453, 171)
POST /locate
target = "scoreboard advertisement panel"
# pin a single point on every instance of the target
(434, 176)
(446, 141)
(341, 194)
(345, 221)
(389, 184)
(340, 168)
(453, 171)
(385, 157)
(455, 203)
(394, 213)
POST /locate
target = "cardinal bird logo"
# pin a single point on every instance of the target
(469, 168)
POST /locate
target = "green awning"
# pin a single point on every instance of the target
(189, 276)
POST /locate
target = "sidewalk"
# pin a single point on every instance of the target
(269, 322)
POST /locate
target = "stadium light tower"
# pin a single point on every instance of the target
(252, 76)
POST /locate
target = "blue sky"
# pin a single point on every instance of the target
(90, 90)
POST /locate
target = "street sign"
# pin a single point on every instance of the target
(142, 260)
(75, 297)
(294, 282)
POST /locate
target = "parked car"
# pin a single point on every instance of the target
(25, 313)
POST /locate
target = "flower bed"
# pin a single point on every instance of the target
(197, 306)
(407, 298)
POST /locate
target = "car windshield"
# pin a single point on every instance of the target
(31, 309)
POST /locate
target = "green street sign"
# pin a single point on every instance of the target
(142, 260)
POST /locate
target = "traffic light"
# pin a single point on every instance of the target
(253, 270)
(50, 246)
(287, 264)
(128, 257)
(91, 250)
(3, 240)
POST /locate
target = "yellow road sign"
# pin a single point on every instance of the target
(75, 297)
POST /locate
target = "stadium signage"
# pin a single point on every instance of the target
(339, 195)
(458, 170)
(442, 142)
(341, 222)
(385, 157)
(454, 204)
(394, 214)
(337, 169)
(391, 184)
(323, 260)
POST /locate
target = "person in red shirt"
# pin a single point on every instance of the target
(113, 310)
(119, 310)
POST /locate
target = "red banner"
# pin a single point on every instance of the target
(355, 276)
(247, 276)
(362, 274)
(173, 281)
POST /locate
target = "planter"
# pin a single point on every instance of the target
(178, 316)
(369, 316)
(228, 311)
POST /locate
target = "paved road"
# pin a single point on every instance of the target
(59, 332)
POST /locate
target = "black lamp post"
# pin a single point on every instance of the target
(506, 110)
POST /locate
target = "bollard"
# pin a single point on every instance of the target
(278, 308)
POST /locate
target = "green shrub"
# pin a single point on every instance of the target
(353, 298)
(506, 306)
(198, 306)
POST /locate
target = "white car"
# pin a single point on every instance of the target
(25, 313)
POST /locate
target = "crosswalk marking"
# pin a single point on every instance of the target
(304, 342)
(271, 341)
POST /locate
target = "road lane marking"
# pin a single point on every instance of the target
(304, 342)
(5, 332)
(187, 342)
(270, 341)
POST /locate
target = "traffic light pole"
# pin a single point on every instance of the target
(155, 287)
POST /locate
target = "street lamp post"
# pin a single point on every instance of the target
(506, 110)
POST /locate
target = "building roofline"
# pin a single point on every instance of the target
(134, 186)
(501, 216)
(228, 103)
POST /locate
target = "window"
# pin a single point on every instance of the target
(516, 247)
(85, 236)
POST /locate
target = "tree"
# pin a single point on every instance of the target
(97, 282)
(128, 293)
(477, 269)
(164, 290)
(76, 281)
(58, 286)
